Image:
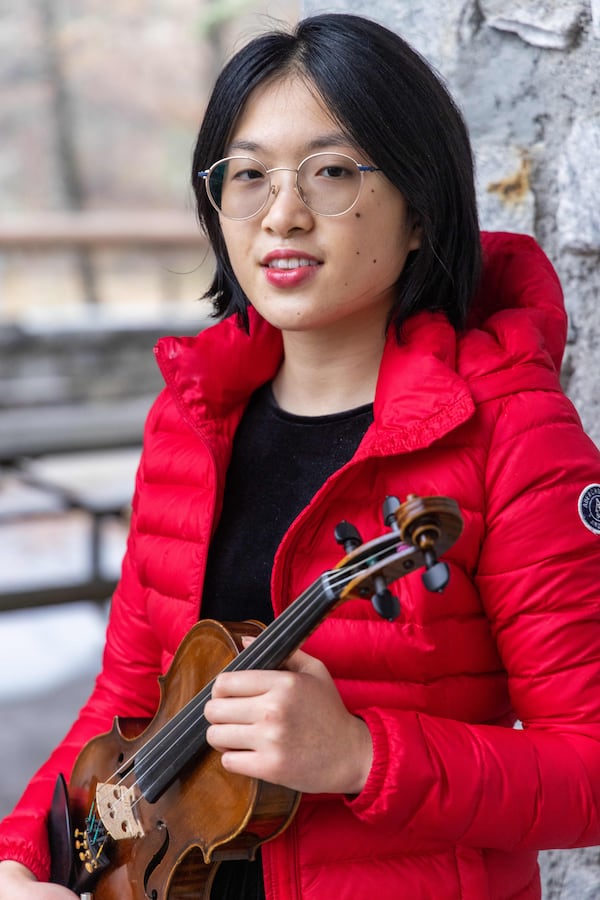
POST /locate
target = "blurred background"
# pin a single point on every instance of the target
(99, 105)
(100, 254)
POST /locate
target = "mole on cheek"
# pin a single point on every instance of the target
(374, 261)
(357, 215)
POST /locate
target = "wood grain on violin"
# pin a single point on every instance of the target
(150, 812)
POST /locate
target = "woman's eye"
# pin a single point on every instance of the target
(333, 172)
(248, 175)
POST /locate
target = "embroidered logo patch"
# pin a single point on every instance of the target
(589, 507)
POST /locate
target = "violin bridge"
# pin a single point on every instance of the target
(115, 804)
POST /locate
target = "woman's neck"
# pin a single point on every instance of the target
(320, 377)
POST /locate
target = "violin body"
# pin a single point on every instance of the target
(150, 812)
(206, 815)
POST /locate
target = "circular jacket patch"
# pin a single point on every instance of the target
(589, 507)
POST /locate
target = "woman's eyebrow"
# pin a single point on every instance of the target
(320, 142)
(333, 139)
(240, 144)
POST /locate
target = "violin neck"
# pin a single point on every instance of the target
(271, 647)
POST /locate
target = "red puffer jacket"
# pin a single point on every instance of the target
(457, 801)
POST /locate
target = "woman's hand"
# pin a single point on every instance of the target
(289, 727)
(18, 883)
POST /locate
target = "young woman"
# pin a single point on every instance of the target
(362, 355)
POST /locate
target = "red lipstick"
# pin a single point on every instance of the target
(288, 267)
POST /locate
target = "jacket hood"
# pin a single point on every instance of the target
(517, 328)
(428, 383)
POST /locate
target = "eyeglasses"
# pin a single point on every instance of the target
(240, 187)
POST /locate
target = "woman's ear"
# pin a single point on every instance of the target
(416, 235)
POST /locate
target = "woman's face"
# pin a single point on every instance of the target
(304, 272)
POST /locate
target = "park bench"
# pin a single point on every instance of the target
(97, 485)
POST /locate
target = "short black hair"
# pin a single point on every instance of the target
(395, 108)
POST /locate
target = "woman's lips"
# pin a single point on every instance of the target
(286, 268)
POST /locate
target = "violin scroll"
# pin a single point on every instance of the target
(421, 530)
(426, 523)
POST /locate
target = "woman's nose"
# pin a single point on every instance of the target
(285, 208)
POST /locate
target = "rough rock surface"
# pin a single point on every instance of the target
(525, 73)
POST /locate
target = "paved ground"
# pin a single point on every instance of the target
(30, 728)
(48, 656)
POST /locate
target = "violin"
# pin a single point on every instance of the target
(149, 812)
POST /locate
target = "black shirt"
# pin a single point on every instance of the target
(278, 463)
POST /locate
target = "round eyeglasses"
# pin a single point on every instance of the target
(239, 187)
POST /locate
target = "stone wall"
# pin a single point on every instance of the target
(527, 75)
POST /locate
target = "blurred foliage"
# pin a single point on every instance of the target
(217, 13)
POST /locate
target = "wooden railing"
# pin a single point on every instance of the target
(95, 229)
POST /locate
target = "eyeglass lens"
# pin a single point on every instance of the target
(328, 183)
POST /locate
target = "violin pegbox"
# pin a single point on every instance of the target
(420, 530)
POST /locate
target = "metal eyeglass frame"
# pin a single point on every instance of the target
(274, 189)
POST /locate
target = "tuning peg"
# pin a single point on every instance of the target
(347, 535)
(390, 505)
(436, 576)
(384, 602)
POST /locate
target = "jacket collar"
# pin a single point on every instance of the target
(428, 384)
(419, 395)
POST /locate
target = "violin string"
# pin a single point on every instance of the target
(277, 631)
(146, 754)
(190, 707)
(187, 718)
(264, 648)
(191, 721)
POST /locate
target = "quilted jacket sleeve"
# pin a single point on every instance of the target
(539, 581)
(123, 688)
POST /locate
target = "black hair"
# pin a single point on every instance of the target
(395, 108)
